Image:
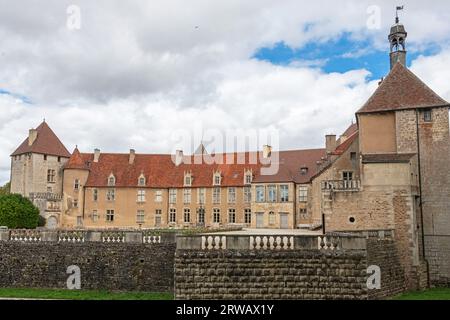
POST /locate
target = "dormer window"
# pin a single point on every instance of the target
(111, 181)
(248, 177)
(141, 181)
(303, 171)
(217, 179)
(187, 179)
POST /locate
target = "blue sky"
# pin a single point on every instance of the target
(338, 55)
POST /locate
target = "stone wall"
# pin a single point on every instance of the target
(106, 262)
(338, 270)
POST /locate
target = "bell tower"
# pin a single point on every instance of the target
(397, 39)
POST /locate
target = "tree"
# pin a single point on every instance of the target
(18, 212)
(5, 189)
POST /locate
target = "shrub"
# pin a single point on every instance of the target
(17, 212)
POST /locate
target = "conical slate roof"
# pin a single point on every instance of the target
(402, 90)
(46, 143)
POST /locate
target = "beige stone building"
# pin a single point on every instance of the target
(389, 170)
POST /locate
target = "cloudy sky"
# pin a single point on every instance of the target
(128, 73)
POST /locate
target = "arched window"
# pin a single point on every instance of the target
(111, 180)
(217, 179)
(141, 181)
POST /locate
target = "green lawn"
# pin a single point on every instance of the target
(81, 294)
(432, 294)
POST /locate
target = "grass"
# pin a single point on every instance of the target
(432, 294)
(81, 294)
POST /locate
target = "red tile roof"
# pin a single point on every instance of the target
(402, 90)
(350, 130)
(77, 161)
(346, 144)
(46, 143)
(161, 172)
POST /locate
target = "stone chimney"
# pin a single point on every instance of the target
(132, 156)
(267, 151)
(32, 136)
(96, 155)
(330, 143)
(179, 157)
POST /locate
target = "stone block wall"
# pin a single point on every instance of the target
(129, 261)
(303, 272)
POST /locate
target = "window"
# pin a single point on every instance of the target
(187, 196)
(157, 221)
(173, 196)
(158, 212)
(247, 194)
(217, 179)
(427, 116)
(347, 176)
(141, 181)
(59, 159)
(231, 215)
(187, 215)
(95, 216)
(248, 216)
(111, 195)
(271, 218)
(110, 215)
(45, 157)
(216, 195)
(248, 178)
(141, 196)
(216, 215)
(353, 156)
(232, 195)
(140, 216)
(259, 193)
(303, 211)
(303, 171)
(272, 193)
(95, 194)
(75, 203)
(173, 215)
(111, 181)
(51, 175)
(201, 195)
(303, 193)
(284, 193)
(187, 180)
(158, 196)
(76, 184)
(201, 215)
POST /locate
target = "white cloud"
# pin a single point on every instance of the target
(138, 69)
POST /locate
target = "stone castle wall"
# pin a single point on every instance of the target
(107, 261)
(301, 272)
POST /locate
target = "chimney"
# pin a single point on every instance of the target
(96, 155)
(330, 143)
(32, 136)
(132, 156)
(267, 151)
(179, 157)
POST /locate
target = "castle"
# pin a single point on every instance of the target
(390, 170)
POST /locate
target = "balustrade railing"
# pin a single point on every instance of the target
(341, 185)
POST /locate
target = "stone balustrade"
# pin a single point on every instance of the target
(80, 236)
(329, 242)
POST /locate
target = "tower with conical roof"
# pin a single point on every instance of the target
(397, 39)
(36, 171)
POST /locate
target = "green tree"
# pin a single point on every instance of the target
(5, 189)
(18, 212)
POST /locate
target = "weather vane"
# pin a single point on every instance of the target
(399, 8)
